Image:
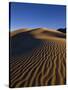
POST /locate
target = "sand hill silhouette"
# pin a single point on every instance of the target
(23, 41)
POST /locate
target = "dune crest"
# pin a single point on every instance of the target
(42, 33)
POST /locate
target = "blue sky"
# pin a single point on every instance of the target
(28, 15)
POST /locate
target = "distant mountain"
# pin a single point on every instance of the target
(62, 30)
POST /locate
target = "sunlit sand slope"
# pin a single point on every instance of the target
(37, 58)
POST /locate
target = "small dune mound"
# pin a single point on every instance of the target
(62, 30)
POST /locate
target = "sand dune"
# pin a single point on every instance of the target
(37, 58)
(19, 31)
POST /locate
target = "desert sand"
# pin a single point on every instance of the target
(37, 58)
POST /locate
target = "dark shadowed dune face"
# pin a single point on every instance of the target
(37, 58)
(23, 43)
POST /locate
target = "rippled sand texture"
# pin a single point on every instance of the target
(37, 58)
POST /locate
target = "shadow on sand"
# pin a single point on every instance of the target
(23, 43)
